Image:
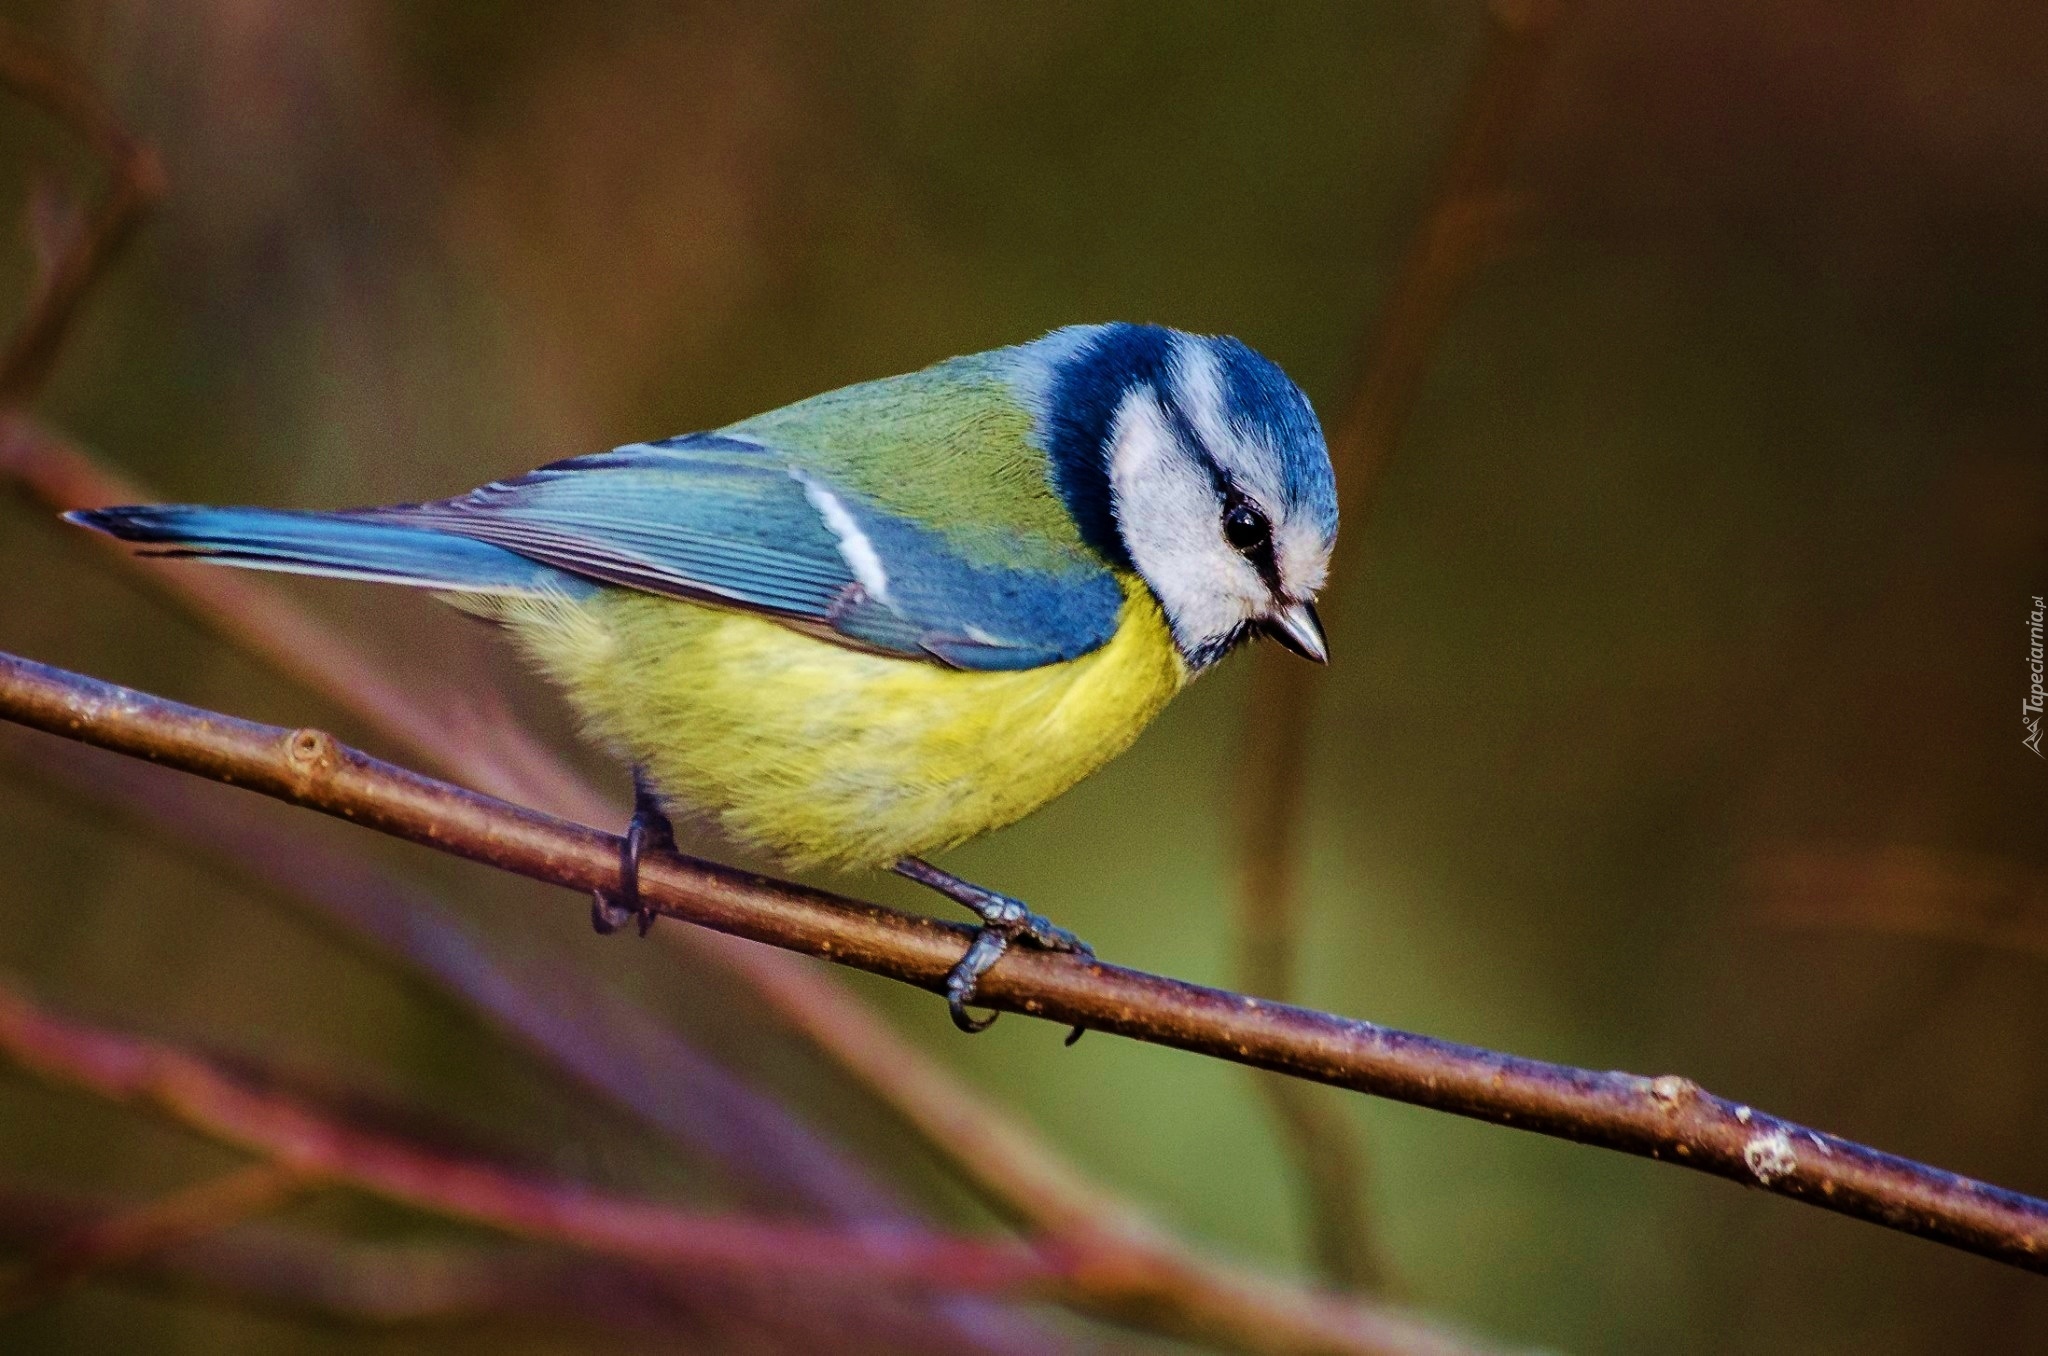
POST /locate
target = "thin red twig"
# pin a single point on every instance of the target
(123, 1237)
(301, 1141)
(377, 1286)
(203, 1096)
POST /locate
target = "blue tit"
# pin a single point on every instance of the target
(863, 628)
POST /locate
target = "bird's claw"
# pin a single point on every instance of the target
(650, 831)
(1004, 920)
(983, 952)
(610, 912)
(607, 914)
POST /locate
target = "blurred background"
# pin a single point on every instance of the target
(1674, 723)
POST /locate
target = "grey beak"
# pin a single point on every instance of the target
(1297, 627)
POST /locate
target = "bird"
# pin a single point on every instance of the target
(861, 629)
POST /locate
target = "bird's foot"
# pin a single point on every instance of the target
(1003, 920)
(650, 831)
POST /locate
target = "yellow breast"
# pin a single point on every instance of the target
(825, 755)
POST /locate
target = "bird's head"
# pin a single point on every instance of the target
(1196, 463)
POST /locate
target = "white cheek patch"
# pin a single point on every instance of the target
(1168, 516)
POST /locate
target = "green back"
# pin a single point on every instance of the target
(951, 447)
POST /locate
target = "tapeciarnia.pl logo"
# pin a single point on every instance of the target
(2030, 707)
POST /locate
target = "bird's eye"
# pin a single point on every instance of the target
(1245, 528)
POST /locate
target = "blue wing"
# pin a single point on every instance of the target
(710, 517)
(724, 519)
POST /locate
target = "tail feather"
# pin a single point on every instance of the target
(332, 544)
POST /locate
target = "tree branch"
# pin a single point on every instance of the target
(260, 620)
(1668, 1118)
(777, 1161)
(315, 1146)
(771, 1158)
(1898, 890)
(52, 82)
(1458, 232)
(1162, 1284)
(318, 1146)
(375, 1286)
(122, 1237)
(604, 1042)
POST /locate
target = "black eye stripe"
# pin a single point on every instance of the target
(1257, 547)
